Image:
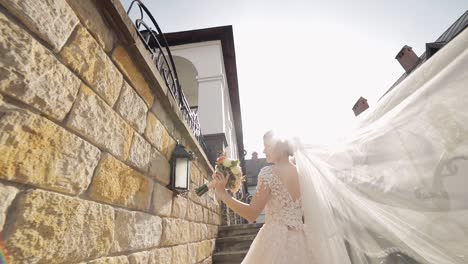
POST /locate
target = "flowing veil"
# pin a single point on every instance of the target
(399, 182)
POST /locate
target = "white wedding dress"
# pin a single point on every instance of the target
(282, 239)
(393, 191)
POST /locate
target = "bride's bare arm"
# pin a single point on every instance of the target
(248, 211)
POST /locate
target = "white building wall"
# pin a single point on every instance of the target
(214, 107)
(211, 105)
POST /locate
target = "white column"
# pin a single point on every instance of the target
(211, 104)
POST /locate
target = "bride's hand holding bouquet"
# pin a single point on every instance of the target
(219, 185)
(228, 174)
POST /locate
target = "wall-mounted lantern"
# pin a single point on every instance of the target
(180, 169)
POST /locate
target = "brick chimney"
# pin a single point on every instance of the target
(407, 58)
(360, 106)
(254, 155)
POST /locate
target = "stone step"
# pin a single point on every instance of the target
(232, 257)
(238, 230)
(224, 227)
(234, 243)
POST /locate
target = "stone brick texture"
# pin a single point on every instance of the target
(85, 145)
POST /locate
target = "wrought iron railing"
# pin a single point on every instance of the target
(251, 180)
(156, 43)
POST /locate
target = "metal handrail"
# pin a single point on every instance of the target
(166, 66)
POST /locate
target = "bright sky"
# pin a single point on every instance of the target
(303, 64)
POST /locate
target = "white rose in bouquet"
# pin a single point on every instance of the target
(227, 163)
(236, 170)
(229, 168)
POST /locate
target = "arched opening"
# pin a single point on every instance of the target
(188, 80)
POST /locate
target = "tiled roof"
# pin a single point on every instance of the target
(456, 28)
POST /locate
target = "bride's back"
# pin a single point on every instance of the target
(282, 206)
(287, 174)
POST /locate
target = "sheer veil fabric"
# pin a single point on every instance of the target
(399, 181)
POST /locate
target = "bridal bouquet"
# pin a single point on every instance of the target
(228, 168)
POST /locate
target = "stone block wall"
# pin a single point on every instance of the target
(87, 128)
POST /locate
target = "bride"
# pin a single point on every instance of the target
(282, 238)
(393, 191)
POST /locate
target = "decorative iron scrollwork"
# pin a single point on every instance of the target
(156, 43)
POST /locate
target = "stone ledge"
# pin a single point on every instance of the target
(131, 71)
(141, 57)
(91, 17)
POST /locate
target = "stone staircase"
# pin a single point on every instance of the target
(233, 242)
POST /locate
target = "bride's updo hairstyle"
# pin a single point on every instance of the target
(281, 143)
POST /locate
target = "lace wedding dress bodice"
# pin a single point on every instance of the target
(282, 239)
(281, 208)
